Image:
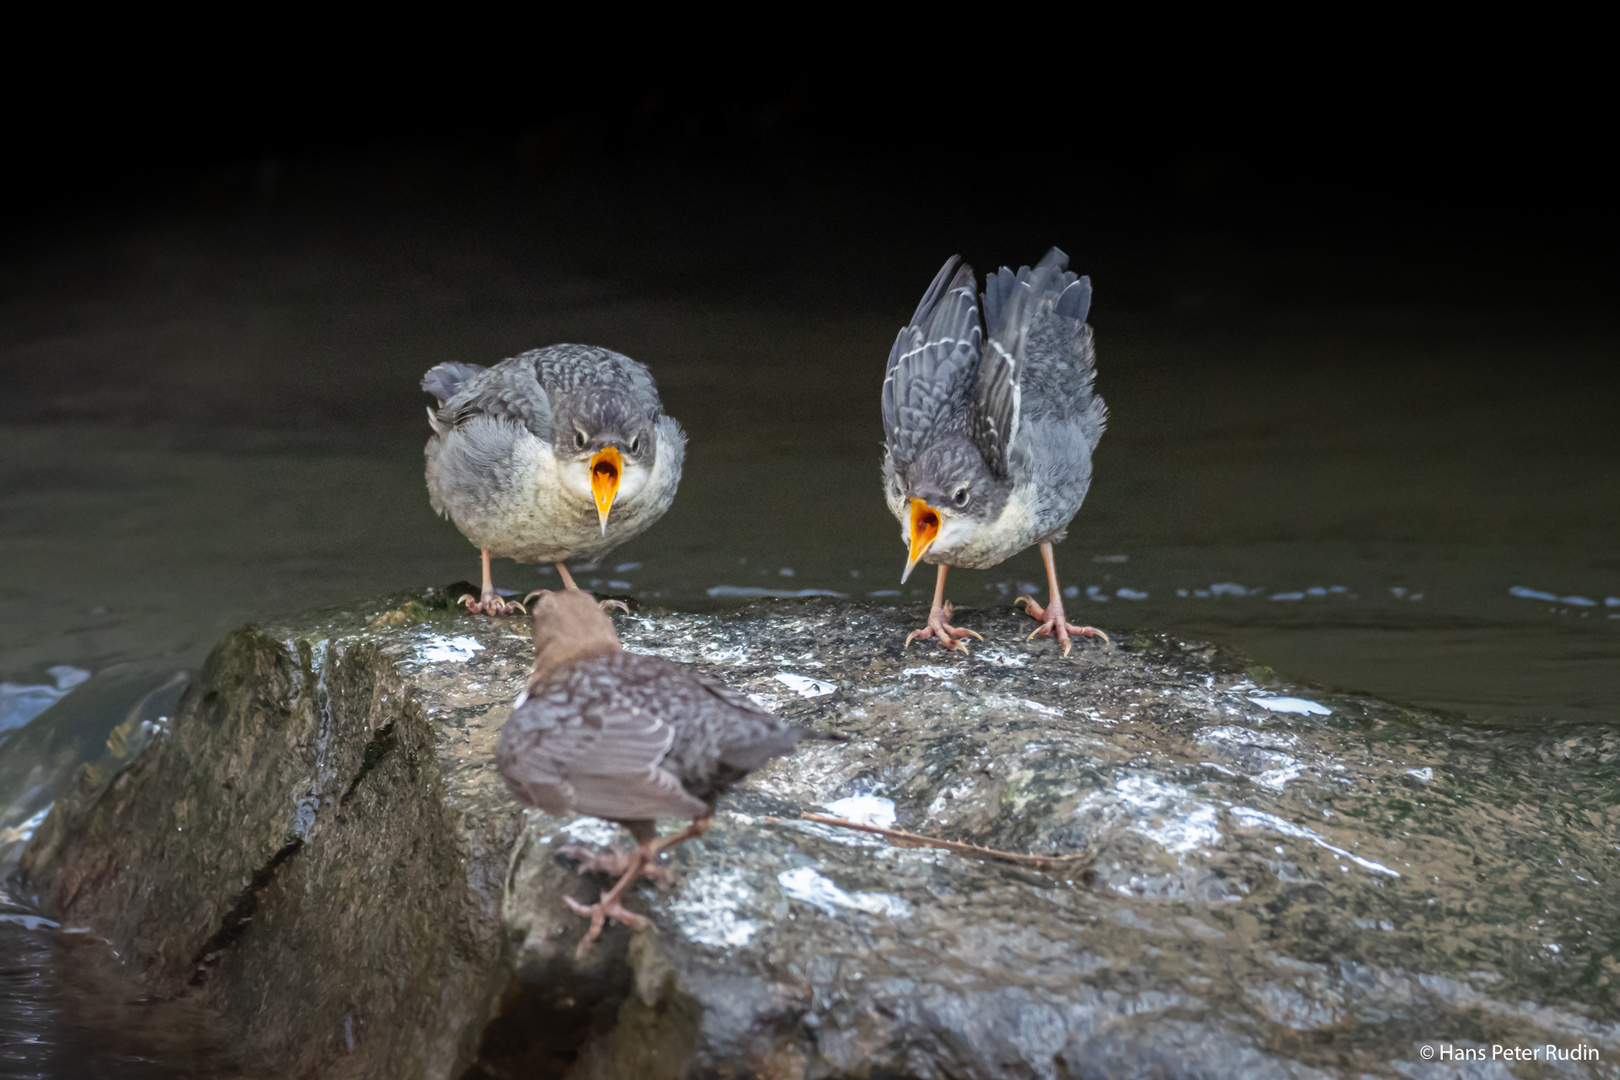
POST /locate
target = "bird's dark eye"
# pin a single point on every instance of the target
(635, 444)
(961, 496)
(579, 439)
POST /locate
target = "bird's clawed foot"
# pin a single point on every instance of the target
(493, 604)
(600, 912)
(614, 862)
(939, 628)
(1052, 621)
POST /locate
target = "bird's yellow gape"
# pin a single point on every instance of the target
(607, 467)
(924, 528)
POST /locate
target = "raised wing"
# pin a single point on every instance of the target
(1074, 301)
(1014, 304)
(507, 391)
(932, 363)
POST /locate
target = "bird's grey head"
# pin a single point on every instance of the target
(601, 434)
(949, 492)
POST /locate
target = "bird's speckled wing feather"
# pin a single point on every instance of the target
(508, 391)
(578, 745)
(932, 363)
(625, 736)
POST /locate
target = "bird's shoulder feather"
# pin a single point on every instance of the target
(508, 391)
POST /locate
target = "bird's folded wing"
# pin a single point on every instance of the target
(550, 748)
(651, 793)
(933, 360)
(507, 391)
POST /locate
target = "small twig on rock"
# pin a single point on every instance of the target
(901, 838)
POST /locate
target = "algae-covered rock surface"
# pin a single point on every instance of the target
(1277, 881)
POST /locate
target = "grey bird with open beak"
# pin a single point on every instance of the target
(559, 453)
(628, 738)
(988, 437)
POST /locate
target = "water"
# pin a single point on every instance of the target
(264, 455)
(212, 415)
(65, 1011)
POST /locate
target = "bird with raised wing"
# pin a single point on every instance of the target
(989, 429)
(627, 738)
(559, 453)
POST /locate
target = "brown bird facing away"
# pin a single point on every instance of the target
(627, 738)
(989, 431)
(560, 453)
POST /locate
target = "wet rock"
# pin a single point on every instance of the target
(1281, 881)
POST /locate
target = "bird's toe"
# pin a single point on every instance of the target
(599, 913)
(940, 629)
(1090, 631)
(1032, 607)
(493, 606)
(594, 860)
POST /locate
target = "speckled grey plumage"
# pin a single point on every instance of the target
(625, 736)
(506, 459)
(1007, 421)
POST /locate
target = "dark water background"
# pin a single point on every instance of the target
(1371, 441)
(212, 413)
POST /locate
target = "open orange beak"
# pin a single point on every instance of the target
(607, 467)
(924, 528)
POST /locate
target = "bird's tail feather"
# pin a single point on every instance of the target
(806, 735)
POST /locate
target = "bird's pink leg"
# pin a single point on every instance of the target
(490, 602)
(638, 863)
(939, 620)
(567, 578)
(698, 827)
(1051, 616)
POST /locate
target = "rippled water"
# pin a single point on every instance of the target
(211, 420)
(66, 1012)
